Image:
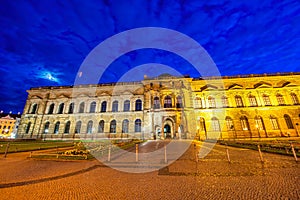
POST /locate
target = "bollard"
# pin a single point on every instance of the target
(227, 152)
(260, 154)
(136, 152)
(6, 150)
(30, 154)
(294, 153)
(166, 160)
(109, 149)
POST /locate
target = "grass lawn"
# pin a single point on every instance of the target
(21, 146)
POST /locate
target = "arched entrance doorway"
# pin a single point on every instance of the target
(167, 131)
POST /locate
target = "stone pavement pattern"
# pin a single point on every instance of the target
(210, 178)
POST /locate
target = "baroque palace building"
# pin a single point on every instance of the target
(247, 106)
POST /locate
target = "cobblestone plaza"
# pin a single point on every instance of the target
(212, 177)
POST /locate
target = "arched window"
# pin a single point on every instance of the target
(215, 124)
(252, 100)
(138, 105)
(294, 99)
(137, 125)
(81, 107)
(225, 102)
(89, 128)
(56, 128)
(156, 103)
(115, 106)
(288, 121)
(179, 102)
(259, 123)
(168, 102)
(239, 101)
(280, 100)
(266, 100)
(46, 127)
(101, 127)
(198, 102)
(244, 123)
(126, 106)
(61, 108)
(103, 106)
(27, 128)
(211, 102)
(51, 109)
(274, 123)
(33, 108)
(125, 125)
(78, 127)
(113, 126)
(229, 123)
(93, 107)
(71, 108)
(67, 127)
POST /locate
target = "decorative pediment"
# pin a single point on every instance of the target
(235, 86)
(127, 92)
(286, 84)
(103, 93)
(36, 97)
(263, 84)
(208, 87)
(62, 96)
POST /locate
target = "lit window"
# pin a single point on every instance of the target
(229, 123)
(198, 102)
(179, 102)
(168, 102)
(156, 103)
(211, 102)
(274, 123)
(280, 99)
(294, 99)
(266, 100)
(239, 101)
(259, 124)
(215, 124)
(252, 100)
(244, 123)
(225, 102)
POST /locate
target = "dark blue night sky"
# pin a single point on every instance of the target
(43, 43)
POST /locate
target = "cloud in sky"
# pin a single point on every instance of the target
(45, 42)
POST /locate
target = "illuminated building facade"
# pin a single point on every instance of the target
(248, 106)
(9, 124)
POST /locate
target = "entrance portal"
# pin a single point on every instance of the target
(167, 131)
